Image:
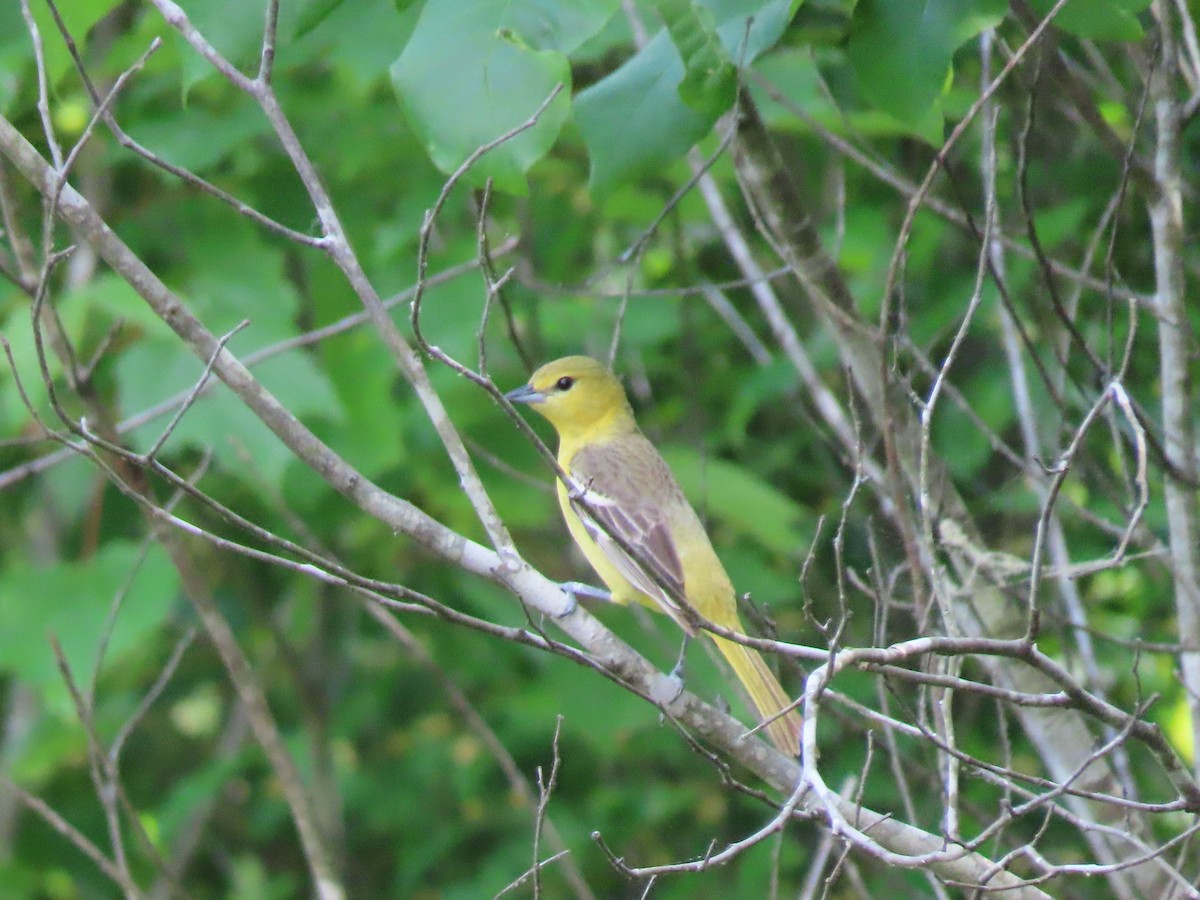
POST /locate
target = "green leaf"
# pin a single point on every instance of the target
(710, 82)
(249, 284)
(362, 374)
(748, 28)
(1063, 222)
(78, 17)
(18, 331)
(636, 119)
(739, 499)
(192, 789)
(112, 296)
(472, 71)
(900, 51)
(562, 25)
(360, 37)
(311, 13)
(155, 369)
(760, 387)
(71, 600)
(795, 74)
(174, 135)
(1100, 20)
(15, 55)
(235, 30)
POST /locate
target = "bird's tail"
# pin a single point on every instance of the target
(768, 696)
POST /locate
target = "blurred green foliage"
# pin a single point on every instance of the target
(388, 97)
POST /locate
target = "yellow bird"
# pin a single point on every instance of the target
(630, 493)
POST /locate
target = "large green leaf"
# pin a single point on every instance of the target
(78, 17)
(18, 331)
(1101, 20)
(739, 499)
(248, 285)
(241, 443)
(475, 69)
(360, 36)
(562, 25)
(173, 136)
(14, 54)
(363, 34)
(233, 27)
(901, 50)
(309, 14)
(652, 109)
(71, 601)
(710, 80)
(634, 121)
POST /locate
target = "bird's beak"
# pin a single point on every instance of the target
(525, 394)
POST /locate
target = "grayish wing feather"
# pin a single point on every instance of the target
(613, 504)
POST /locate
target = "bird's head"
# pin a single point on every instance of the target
(577, 394)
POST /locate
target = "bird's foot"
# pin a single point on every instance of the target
(674, 684)
(577, 589)
(677, 671)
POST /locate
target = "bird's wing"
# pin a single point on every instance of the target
(617, 502)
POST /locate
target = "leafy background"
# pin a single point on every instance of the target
(389, 97)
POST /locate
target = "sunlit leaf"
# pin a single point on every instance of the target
(498, 61)
(71, 601)
(635, 120)
(901, 51)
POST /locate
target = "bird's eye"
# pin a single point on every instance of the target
(564, 383)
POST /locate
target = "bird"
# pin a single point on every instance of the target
(629, 517)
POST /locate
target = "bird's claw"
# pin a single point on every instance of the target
(675, 676)
(668, 691)
(677, 671)
(577, 589)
